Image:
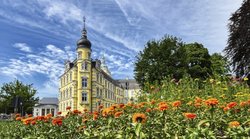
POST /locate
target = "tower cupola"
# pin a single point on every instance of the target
(83, 42)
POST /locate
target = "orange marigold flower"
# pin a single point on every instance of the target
(234, 124)
(84, 120)
(118, 114)
(148, 110)
(163, 107)
(68, 108)
(18, 119)
(57, 121)
(59, 113)
(76, 112)
(85, 110)
(96, 113)
(113, 107)
(121, 105)
(139, 118)
(161, 103)
(211, 102)
(176, 103)
(231, 104)
(33, 122)
(198, 100)
(29, 115)
(155, 109)
(18, 115)
(153, 102)
(197, 104)
(190, 115)
(130, 104)
(226, 108)
(243, 104)
(100, 107)
(27, 120)
(49, 115)
(95, 117)
(39, 118)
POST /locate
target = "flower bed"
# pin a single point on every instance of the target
(209, 111)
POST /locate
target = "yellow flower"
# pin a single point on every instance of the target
(218, 82)
(225, 89)
(211, 80)
(245, 79)
(234, 124)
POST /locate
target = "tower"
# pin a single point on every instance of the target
(84, 74)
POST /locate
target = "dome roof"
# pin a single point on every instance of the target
(83, 43)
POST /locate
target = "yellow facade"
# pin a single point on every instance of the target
(85, 85)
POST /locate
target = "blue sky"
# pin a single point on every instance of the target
(38, 36)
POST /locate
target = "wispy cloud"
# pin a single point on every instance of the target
(118, 28)
(49, 62)
(23, 47)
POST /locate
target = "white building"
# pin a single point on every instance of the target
(132, 89)
(46, 106)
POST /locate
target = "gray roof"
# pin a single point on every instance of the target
(129, 84)
(48, 100)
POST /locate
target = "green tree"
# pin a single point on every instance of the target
(197, 61)
(238, 49)
(18, 92)
(171, 57)
(220, 64)
(158, 60)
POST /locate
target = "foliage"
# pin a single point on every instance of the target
(218, 108)
(197, 61)
(220, 64)
(158, 60)
(238, 48)
(171, 57)
(12, 90)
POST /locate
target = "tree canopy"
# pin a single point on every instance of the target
(238, 49)
(171, 57)
(220, 64)
(16, 94)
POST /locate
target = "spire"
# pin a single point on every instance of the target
(84, 31)
(104, 67)
(83, 41)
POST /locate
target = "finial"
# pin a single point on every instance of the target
(84, 31)
(84, 19)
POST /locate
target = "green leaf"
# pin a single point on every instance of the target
(138, 129)
(201, 123)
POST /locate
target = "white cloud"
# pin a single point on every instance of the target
(48, 62)
(23, 47)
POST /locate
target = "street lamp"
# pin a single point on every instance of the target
(21, 104)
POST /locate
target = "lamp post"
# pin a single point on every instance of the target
(21, 104)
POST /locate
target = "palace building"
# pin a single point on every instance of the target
(87, 83)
